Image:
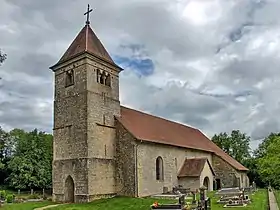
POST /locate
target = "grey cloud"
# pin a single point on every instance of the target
(188, 65)
(253, 70)
(264, 129)
(31, 63)
(26, 114)
(175, 100)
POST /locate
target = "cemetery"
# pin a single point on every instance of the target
(223, 198)
(179, 199)
(187, 199)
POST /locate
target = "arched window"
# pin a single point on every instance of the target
(108, 80)
(103, 77)
(69, 80)
(159, 168)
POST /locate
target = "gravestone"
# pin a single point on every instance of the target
(178, 206)
(182, 200)
(193, 197)
(181, 189)
(234, 198)
(232, 195)
(202, 191)
(204, 203)
(254, 186)
(229, 191)
(165, 190)
(168, 207)
(248, 190)
(207, 204)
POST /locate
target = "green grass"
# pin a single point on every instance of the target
(259, 202)
(119, 203)
(25, 206)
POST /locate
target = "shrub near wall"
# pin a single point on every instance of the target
(10, 198)
(2, 195)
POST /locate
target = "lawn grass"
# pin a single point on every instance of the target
(277, 196)
(259, 201)
(25, 206)
(117, 203)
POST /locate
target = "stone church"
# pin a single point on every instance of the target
(102, 149)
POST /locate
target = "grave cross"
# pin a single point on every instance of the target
(87, 14)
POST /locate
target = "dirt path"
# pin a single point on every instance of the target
(48, 207)
(272, 201)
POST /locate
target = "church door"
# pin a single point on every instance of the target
(218, 186)
(69, 190)
(206, 182)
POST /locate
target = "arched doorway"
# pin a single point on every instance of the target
(206, 182)
(69, 190)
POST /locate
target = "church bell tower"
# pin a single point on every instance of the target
(86, 99)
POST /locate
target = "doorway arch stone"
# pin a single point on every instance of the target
(69, 190)
(206, 182)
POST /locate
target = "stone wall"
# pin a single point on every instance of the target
(70, 113)
(225, 172)
(244, 180)
(101, 177)
(102, 105)
(125, 162)
(77, 169)
(84, 129)
(173, 159)
(70, 133)
(207, 174)
(189, 182)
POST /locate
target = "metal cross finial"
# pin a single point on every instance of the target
(87, 14)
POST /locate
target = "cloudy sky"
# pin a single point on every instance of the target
(211, 64)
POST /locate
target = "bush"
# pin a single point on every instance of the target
(2, 195)
(10, 198)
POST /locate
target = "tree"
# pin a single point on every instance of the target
(253, 173)
(262, 148)
(30, 165)
(3, 57)
(237, 144)
(269, 161)
(5, 150)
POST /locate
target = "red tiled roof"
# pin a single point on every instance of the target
(192, 167)
(86, 41)
(158, 130)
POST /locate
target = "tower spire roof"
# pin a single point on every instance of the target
(86, 42)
